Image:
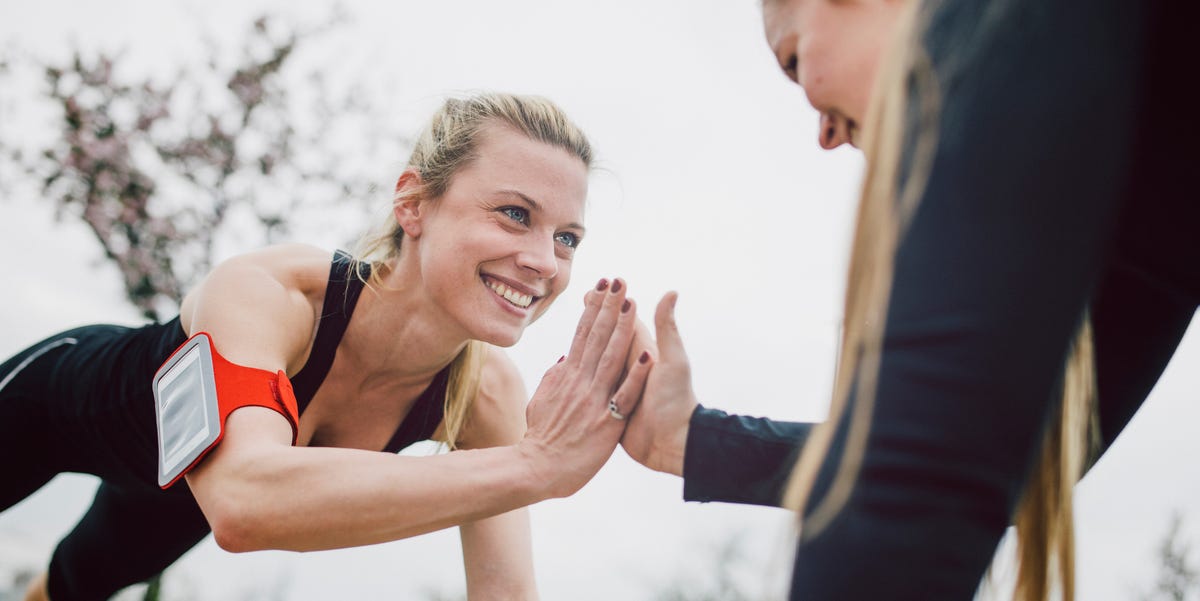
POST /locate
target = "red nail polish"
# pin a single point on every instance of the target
(616, 287)
(601, 285)
(560, 359)
(625, 307)
(645, 357)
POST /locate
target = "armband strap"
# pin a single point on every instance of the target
(190, 424)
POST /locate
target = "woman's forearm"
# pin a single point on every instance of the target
(306, 499)
(258, 492)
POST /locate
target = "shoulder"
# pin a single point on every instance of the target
(500, 380)
(498, 414)
(296, 266)
(269, 295)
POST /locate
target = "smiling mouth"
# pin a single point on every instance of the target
(517, 299)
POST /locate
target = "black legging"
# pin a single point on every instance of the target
(127, 535)
(58, 412)
(1062, 181)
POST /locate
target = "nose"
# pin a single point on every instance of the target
(538, 256)
(835, 131)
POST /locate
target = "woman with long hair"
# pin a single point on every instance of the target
(321, 363)
(1023, 267)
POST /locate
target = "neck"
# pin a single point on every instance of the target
(398, 332)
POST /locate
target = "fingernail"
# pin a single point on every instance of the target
(625, 307)
(560, 359)
(601, 285)
(645, 357)
(616, 287)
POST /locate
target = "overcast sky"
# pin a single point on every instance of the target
(711, 184)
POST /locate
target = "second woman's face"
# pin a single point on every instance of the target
(497, 248)
(833, 49)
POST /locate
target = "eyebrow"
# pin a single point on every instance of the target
(537, 207)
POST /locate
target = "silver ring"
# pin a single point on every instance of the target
(614, 411)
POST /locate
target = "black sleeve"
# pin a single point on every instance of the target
(1036, 142)
(738, 459)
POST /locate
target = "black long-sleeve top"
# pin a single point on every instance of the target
(1062, 183)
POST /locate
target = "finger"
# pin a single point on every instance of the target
(643, 340)
(553, 370)
(591, 307)
(670, 344)
(612, 361)
(602, 327)
(629, 395)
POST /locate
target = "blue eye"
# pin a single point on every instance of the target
(516, 214)
(567, 239)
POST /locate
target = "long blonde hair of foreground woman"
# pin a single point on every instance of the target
(1046, 550)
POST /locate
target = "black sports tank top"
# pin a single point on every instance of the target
(95, 381)
(341, 295)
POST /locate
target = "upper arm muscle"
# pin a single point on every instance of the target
(257, 317)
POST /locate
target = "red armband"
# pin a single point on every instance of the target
(195, 390)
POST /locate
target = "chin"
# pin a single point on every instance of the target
(503, 338)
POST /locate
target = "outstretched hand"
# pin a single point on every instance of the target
(657, 434)
(571, 430)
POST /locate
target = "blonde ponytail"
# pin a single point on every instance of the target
(461, 389)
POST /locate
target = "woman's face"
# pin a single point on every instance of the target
(832, 48)
(496, 249)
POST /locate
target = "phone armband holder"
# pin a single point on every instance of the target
(195, 390)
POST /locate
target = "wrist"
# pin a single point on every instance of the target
(533, 478)
(670, 449)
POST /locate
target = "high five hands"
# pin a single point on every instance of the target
(616, 385)
(656, 435)
(577, 414)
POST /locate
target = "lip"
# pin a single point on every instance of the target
(503, 302)
(519, 287)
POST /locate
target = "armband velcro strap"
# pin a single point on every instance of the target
(195, 390)
(239, 386)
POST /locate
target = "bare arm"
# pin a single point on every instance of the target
(497, 551)
(258, 492)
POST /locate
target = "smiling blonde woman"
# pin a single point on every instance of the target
(356, 355)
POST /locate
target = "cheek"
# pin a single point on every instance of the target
(559, 284)
(564, 276)
(821, 93)
(816, 76)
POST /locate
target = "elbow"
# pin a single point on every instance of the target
(237, 502)
(240, 521)
(235, 530)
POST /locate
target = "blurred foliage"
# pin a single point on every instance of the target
(227, 150)
(1178, 579)
(157, 170)
(719, 578)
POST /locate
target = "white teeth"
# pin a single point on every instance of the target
(512, 296)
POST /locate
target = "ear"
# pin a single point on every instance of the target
(408, 205)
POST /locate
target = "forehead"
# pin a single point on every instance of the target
(779, 16)
(508, 160)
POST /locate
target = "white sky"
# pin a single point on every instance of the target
(712, 185)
